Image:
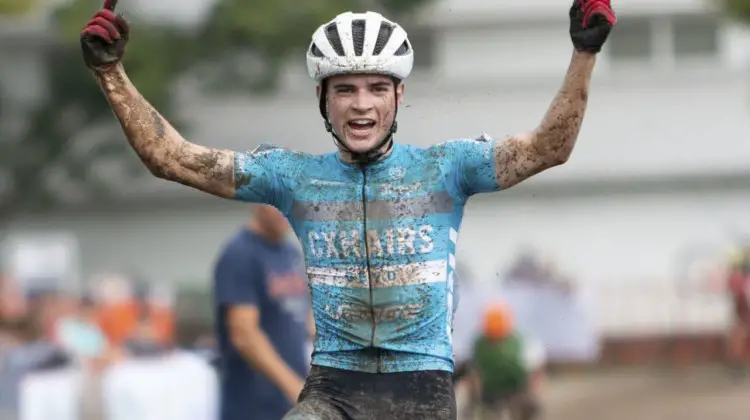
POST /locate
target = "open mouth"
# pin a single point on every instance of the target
(361, 128)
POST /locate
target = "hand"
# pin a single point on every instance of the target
(104, 37)
(590, 24)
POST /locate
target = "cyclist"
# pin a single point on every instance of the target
(378, 220)
(507, 367)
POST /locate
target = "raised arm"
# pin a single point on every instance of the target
(552, 142)
(160, 147)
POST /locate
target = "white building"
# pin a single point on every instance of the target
(661, 166)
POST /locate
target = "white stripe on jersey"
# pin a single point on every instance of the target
(383, 276)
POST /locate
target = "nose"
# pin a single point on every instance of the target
(363, 101)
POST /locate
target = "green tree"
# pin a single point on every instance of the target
(73, 128)
(738, 9)
(16, 7)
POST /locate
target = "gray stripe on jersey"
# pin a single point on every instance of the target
(399, 208)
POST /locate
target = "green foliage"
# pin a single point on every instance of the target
(234, 31)
(738, 9)
(16, 7)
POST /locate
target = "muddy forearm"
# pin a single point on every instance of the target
(144, 127)
(558, 131)
(159, 146)
(551, 143)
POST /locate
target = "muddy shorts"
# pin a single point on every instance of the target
(334, 394)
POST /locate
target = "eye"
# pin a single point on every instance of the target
(344, 90)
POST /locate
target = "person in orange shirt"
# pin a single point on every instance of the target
(117, 320)
(154, 323)
(139, 320)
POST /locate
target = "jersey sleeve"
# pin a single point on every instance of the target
(474, 165)
(261, 174)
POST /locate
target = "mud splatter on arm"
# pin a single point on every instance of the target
(551, 143)
(160, 147)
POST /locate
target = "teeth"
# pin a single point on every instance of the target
(363, 121)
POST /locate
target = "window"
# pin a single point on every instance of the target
(631, 40)
(695, 36)
(665, 40)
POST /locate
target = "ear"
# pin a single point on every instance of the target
(400, 93)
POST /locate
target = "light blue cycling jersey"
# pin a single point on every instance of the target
(384, 304)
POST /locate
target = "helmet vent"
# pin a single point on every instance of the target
(358, 36)
(403, 49)
(384, 34)
(332, 33)
(314, 50)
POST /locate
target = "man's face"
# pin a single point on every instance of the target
(362, 108)
(272, 221)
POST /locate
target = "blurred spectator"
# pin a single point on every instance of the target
(12, 310)
(29, 352)
(137, 319)
(508, 367)
(738, 281)
(525, 268)
(116, 312)
(553, 276)
(12, 302)
(48, 306)
(531, 268)
(118, 320)
(155, 322)
(79, 334)
(262, 317)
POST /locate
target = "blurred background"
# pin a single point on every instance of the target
(616, 261)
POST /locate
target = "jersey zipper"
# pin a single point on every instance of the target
(367, 261)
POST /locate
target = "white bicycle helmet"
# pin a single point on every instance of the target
(360, 43)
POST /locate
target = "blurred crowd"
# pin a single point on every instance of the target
(47, 329)
(121, 319)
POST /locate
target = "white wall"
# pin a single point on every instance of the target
(608, 239)
(504, 51)
(176, 245)
(658, 125)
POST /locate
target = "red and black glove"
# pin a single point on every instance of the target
(104, 37)
(590, 24)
